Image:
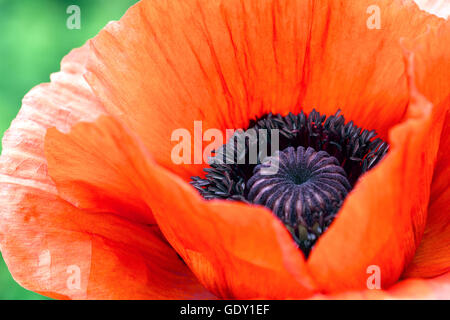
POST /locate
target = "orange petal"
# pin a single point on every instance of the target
(60, 251)
(436, 289)
(98, 177)
(229, 246)
(356, 60)
(64, 101)
(23, 168)
(383, 218)
(52, 247)
(433, 255)
(166, 64)
(432, 289)
(231, 61)
(103, 159)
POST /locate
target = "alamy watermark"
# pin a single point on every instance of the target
(228, 146)
(74, 19)
(374, 280)
(374, 20)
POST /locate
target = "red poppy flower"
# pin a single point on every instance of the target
(92, 206)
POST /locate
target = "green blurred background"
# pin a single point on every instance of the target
(33, 40)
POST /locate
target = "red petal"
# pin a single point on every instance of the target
(382, 220)
(229, 246)
(98, 176)
(46, 242)
(60, 251)
(432, 257)
(166, 64)
(104, 159)
(432, 289)
(203, 61)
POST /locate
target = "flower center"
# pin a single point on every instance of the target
(304, 190)
(320, 162)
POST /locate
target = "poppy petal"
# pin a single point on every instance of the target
(23, 168)
(185, 58)
(229, 246)
(412, 289)
(192, 69)
(62, 252)
(433, 289)
(50, 246)
(64, 101)
(166, 64)
(98, 178)
(432, 257)
(383, 218)
(358, 65)
(105, 158)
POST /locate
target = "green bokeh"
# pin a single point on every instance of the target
(33, 40)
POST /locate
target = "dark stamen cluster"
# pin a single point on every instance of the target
(304, 188)
(355, 150)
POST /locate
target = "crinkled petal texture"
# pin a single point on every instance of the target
(433, 289)
(236, 60)
(232, 61)
(230, 243)
(105, 247)
(166, 64)
(432, 257)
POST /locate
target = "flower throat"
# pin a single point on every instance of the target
(318, 163)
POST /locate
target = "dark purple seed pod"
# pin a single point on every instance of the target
(321, 160)
(302, 192)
